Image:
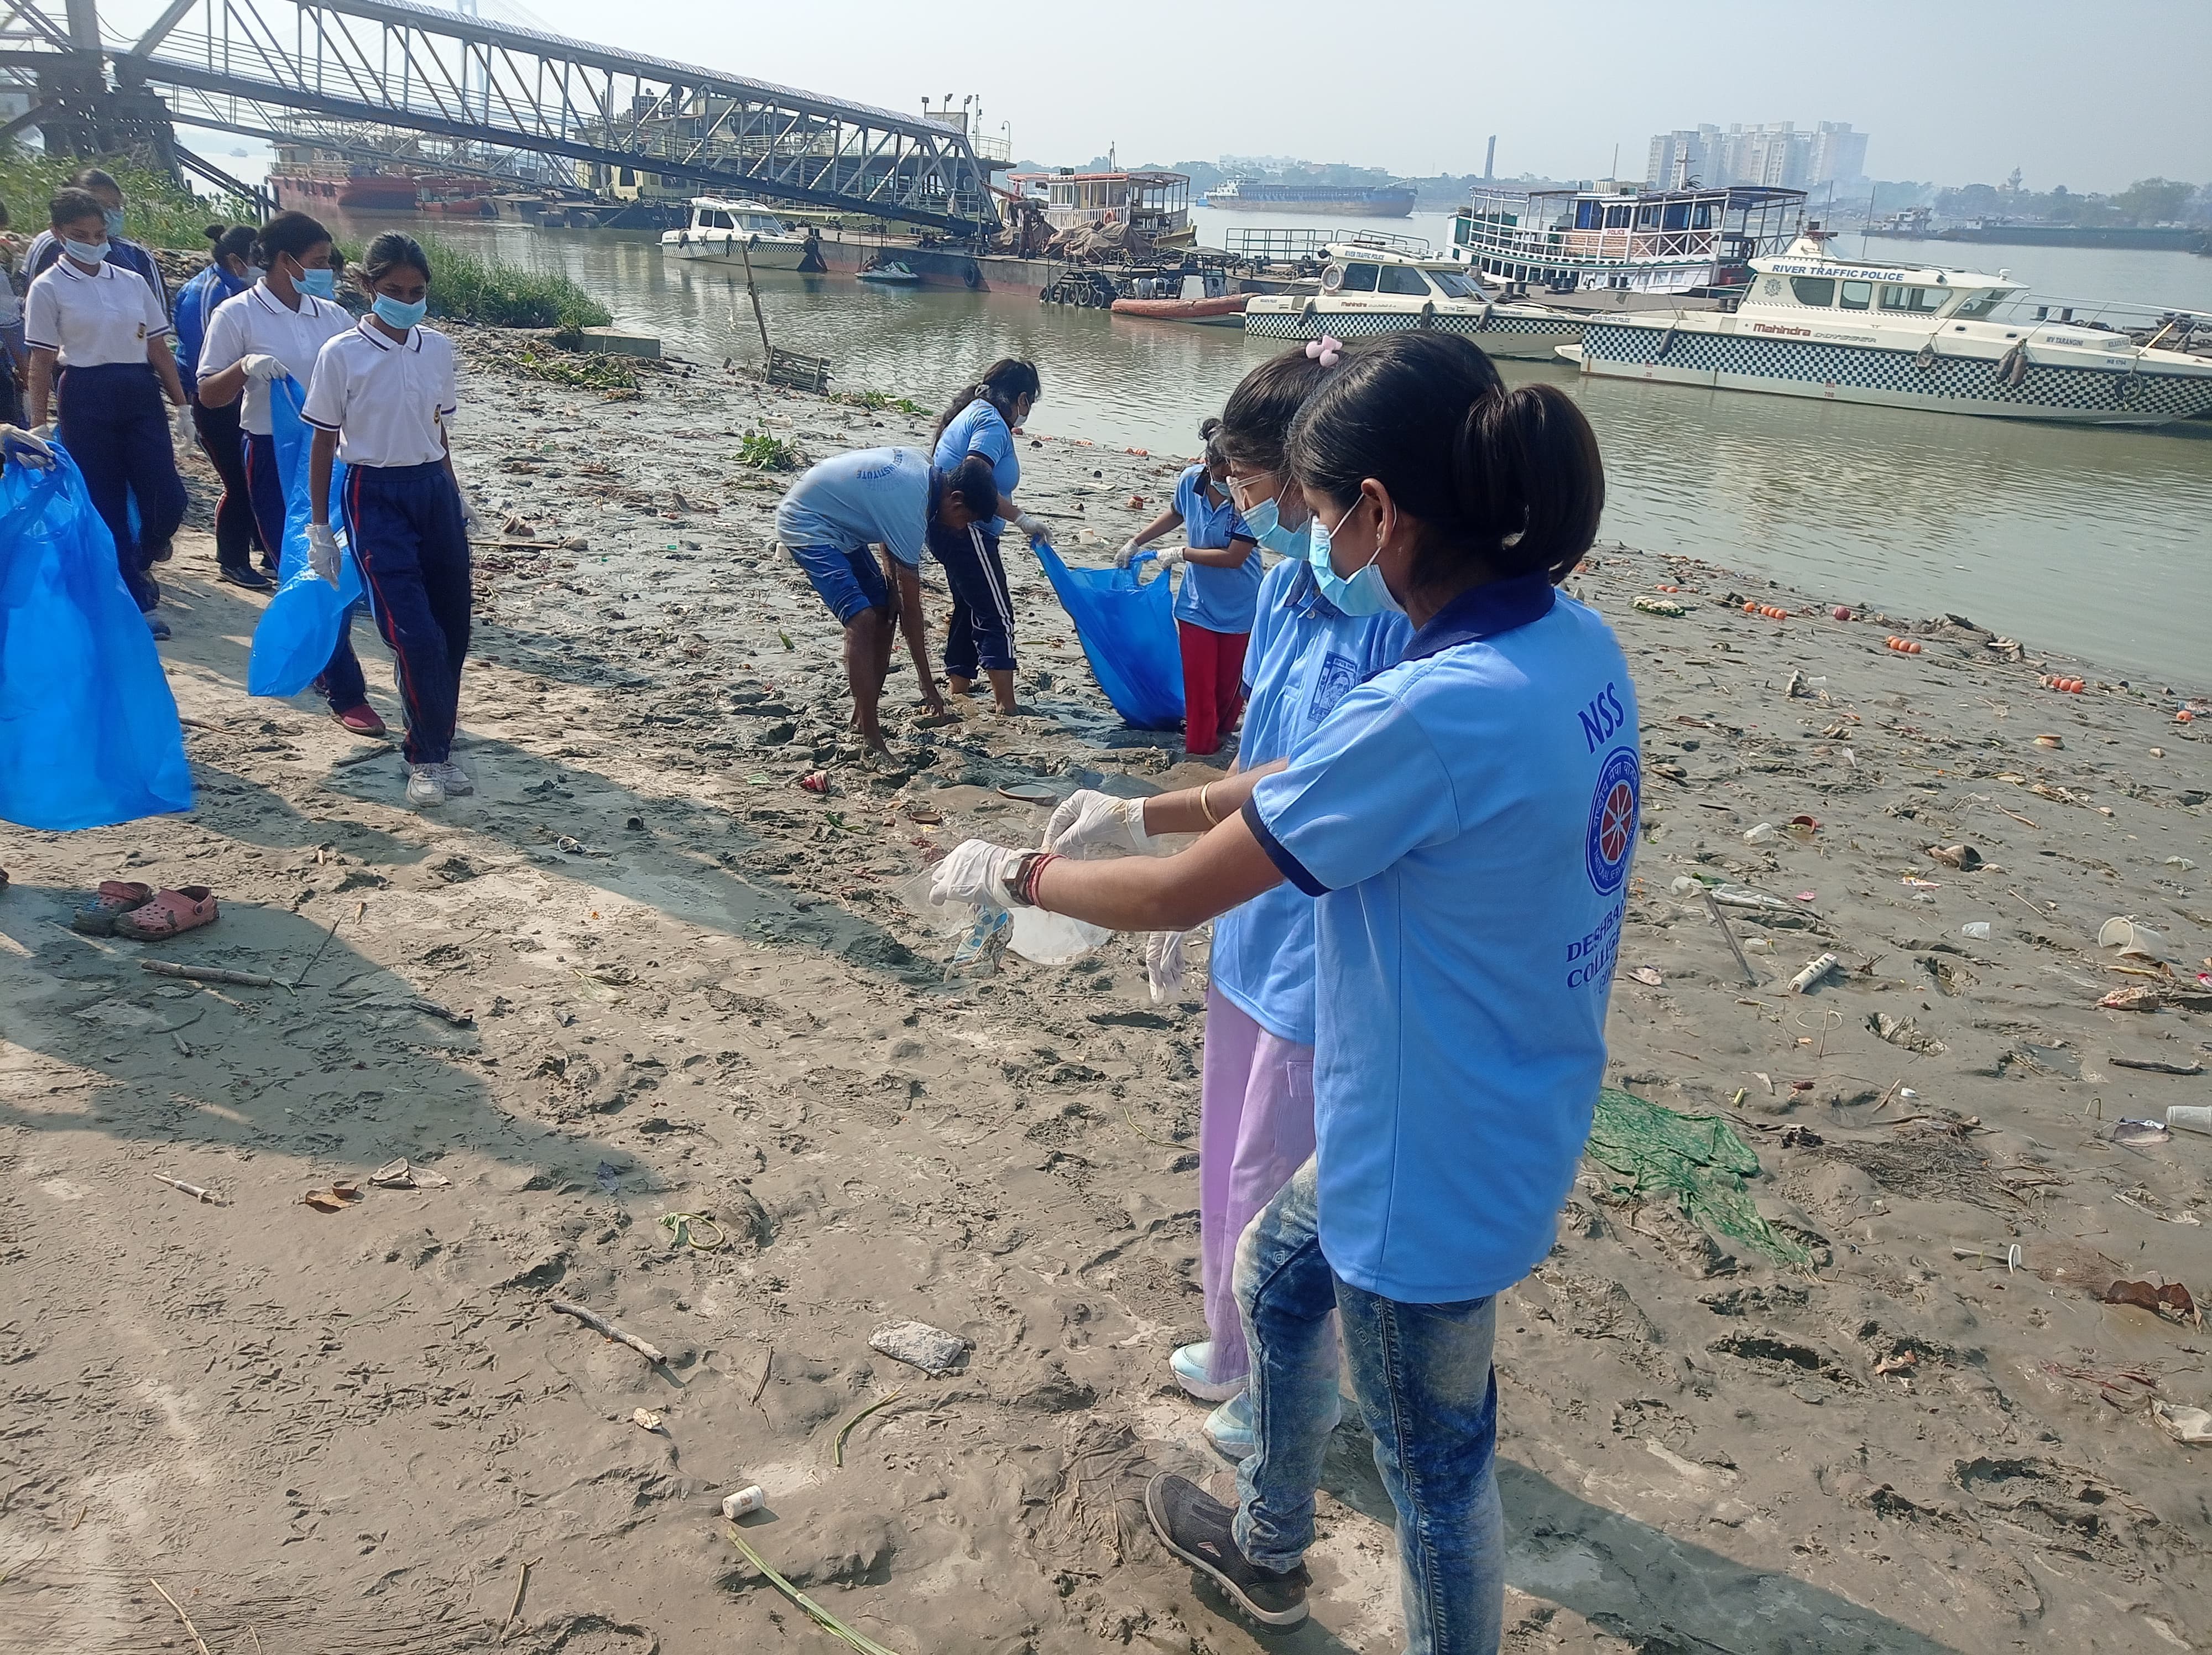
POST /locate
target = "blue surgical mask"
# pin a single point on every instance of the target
(1365, 593)
(392, 313)
(86, 252)
(322, 284)
(114, 217)
(1266, 525)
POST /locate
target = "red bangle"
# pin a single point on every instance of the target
(1036, 866)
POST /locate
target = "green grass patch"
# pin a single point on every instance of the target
(589, 373)
(878, 401)
(764, 453)
(494, 293)
(155, 210)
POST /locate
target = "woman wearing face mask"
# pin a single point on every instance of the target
(1255, 1100)
(278, 328)
(1220, 593)
(1464, 822)
(227, 275)
(46, 247)
(381, 400)
(104, 329)
(981, 420)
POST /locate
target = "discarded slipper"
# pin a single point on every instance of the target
(114, 898)
(169, 912)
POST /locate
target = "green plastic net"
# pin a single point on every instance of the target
(1652, 1151)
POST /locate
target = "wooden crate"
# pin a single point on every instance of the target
(800, 372)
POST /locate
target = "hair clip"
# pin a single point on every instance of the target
(1326, 350)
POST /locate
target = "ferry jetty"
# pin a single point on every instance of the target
(1922, 337)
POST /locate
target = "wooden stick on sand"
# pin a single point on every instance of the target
(605, 1329)
(181, 1615)
(212, 974)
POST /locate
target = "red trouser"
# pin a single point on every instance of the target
(1212, 686)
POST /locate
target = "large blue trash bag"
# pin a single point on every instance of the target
(88, 731)
(300, 626)
(1128, 632)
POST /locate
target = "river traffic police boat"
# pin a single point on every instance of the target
(1371, 290)
(1910, 337)
(731, 232)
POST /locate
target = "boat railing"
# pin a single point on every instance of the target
(2171, 327)
(1291, 246)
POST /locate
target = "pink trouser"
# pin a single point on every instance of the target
(1255, 1127)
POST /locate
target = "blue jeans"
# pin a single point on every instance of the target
(1421, 1375)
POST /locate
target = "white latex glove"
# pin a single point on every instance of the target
(23, 447)
(263, 367)
(45, 432)
(1170, 558)
(1088, 822)
(1127, 556)
(976, 875)
(470, 519)
(1163, 964)
(323, 551)
(1032, 527)
(180, 425)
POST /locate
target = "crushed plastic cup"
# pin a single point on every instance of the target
(1684, 885)
(2190, 1117)
(2125, 934)
(1979, 930)
(1048, 939)
(744, 1502)
(1763, 833)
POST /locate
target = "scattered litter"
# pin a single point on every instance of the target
(335, 1199)
(195, 1191)
(1735, 896)
(1841, 613)
(2141, 999)
(1904, 1032)
(2191, 1425)
(1977, 930)
(1899, 1362)
(1660, 606)
(2136, 1134)
(1644, 974)
(2131, 939)
(1802, 828)
(400, 1175)
(917, 1344)
(646, 1419)
(2161, 1299)
(2190, 1117)
(2157, 1065)
(1763, 833)
(1652, 1151)
(1982, 1255)
(2050, 741)
(1684, 885)
(1813, 973)
(1965, 858)
(2065, 686)
(2181, 862)
(683, 1230)
(816, 782)
(1903, 645)
(927, 815)
(743, 1503)
(1030, 792)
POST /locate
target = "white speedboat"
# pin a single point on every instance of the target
(1370, 290)
(1910, 337)
(731, 232)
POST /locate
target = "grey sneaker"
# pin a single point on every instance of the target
(1196, 1527)
(454, 779)
(425, 789)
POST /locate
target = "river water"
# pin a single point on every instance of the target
(2093, 541)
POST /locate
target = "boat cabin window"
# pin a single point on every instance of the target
(1403, 278)
(1677, 216)
(1359, 278)
(711, 220)
(1977, 305)
(1856, 295)
(1453, 285)
(1919, 302)
(1616, 218)
(1818, 290)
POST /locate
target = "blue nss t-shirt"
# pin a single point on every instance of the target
(980, 428)
(1218, 599)
(1465, 821)
(1305, 656)
(870, 497)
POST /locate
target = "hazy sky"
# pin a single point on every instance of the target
(2090, 96)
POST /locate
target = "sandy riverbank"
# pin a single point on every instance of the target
(692, 991)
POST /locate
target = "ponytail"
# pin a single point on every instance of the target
(1502, 483)
(1210, 434)
(1004, 383)
(1257, 416)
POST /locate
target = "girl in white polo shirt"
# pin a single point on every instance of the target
(277, 329)
(106, 330)
(381, 398)
(1464, 822)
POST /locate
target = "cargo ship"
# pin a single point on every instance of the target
(1364, 201)
(325, 186)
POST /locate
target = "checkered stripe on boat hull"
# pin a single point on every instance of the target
(2144, 394)
(1367, 325)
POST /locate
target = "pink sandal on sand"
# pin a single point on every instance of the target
(114, 898)
(185, 909)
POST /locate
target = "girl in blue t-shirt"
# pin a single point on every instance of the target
(1220, 594)
(983, 420)
(1465, 823)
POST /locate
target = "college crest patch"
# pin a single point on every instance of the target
(1612, 820)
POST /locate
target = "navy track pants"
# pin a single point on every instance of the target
(406, 528)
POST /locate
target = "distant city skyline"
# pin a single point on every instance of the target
(1780, 153)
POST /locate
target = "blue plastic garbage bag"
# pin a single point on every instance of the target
(1128, 632)
(300, 626)
(88, 731)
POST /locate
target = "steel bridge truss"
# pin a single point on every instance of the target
(260, 66)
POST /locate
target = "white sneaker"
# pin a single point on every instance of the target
(454, 779)
(1190, 1364)
(426, 788)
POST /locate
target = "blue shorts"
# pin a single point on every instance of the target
(848, 581)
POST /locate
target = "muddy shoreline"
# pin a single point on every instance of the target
(690, 989)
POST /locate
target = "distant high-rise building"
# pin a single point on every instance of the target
(1778, 155)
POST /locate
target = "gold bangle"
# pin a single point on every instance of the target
(1205, 808)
